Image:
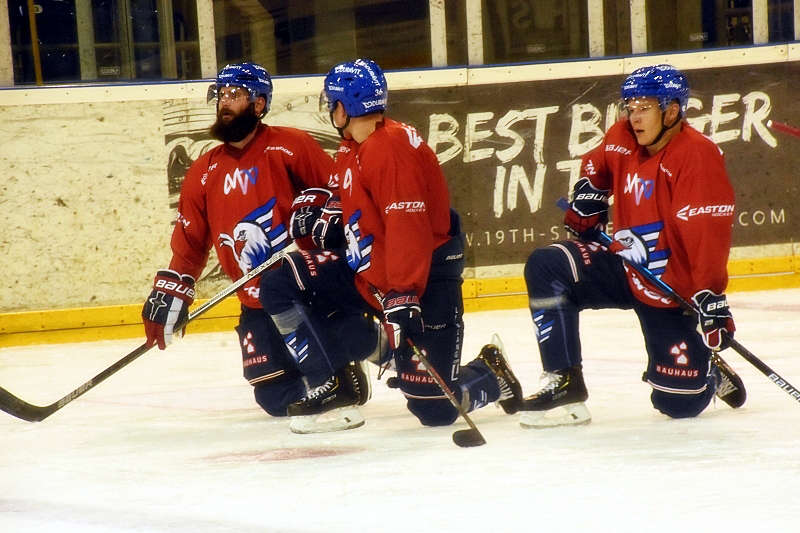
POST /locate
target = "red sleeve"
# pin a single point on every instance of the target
(703, 201)
(311, 165)
(190, 238)
(398, 186)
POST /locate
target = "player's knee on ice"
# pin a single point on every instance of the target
(433, 412)
(275, 396)
(681, 405)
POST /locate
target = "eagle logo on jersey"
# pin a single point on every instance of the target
(254, 239)
(359, 249)
(644, 243)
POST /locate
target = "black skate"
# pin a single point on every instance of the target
(559, 403)
(510, 389)
(730, 387)
(333, 406)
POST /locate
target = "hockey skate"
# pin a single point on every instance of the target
(333, 406)
(559, 403)
(510, 389)
(730, 387)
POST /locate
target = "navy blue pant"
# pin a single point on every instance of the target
(266, 363)
(314, 303)
(320, 316)
(567, 277)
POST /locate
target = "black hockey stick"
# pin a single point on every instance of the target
(687, 306)
(466, 438)
(34, 413)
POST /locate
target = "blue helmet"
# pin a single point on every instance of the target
(664, 82)
(251, 76)
(359, 85)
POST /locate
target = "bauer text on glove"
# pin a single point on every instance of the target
(588, 210)
(402, 318)
(715, 321)
(167, 307)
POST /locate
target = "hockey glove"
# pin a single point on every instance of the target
(588, 211)
(306, 226)
(328, 232)
(402, 318)
(629, 246)
(167, 307)
(714, 319)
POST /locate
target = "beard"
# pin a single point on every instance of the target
(237, 128)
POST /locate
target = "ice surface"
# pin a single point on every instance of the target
(174, 442)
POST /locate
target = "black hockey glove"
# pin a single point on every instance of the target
(328, 232)
(167, 307)
(402, 318)
(714, 319)
(316, 220)
(588, 210)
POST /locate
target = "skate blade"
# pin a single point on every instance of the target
(573, 414)
(339, 419)
(365, 368)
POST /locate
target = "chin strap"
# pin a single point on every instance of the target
(665, 128)
(340, 130)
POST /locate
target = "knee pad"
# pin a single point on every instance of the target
(275, 396)
(681, 405)
(544, 265)
(433, 412)
(279, 288)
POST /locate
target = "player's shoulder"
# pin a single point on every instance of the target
(204, 163)
(620, 138)
(389, 139)
(286, 139)
(692, 142)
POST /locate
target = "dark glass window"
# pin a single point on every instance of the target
(617, 27)
(104, 40)
(309, 37)
(781, 20)
(688, 24)
(533, 30)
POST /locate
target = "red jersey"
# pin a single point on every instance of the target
(239, 201)
(396, 209)
(680, 201)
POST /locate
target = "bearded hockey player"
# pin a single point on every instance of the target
(237, 197)
(673, 213)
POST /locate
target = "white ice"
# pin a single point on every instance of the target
(174, 442)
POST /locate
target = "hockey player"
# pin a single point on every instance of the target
(673, 212)
(237, 198)
(404, 260)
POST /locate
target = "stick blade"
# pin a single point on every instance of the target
(468, 438)
(21, 409)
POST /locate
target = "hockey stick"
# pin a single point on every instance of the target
(783, 128)
(466, 438)
(34, 413)
(687, 306)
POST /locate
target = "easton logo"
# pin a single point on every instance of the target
(408, 207)
(687, 211)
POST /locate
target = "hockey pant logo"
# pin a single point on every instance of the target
(254, 239)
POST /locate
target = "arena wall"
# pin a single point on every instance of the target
(92, 175)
